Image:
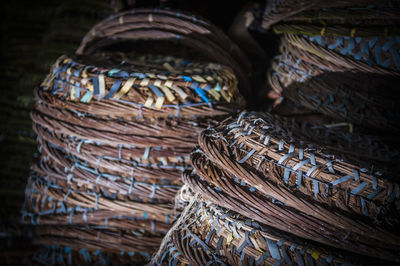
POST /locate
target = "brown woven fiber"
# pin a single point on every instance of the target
(341, 140)
(115, 126)
(106, 240)
(348, 81)
(264, 173)
(322, 41)
(52, 201)
(150, 168)
(133, 152)
(151, 127)
(87, 221)
(161, 24)
(362, 103)
(153, 94)
(334, 12)
(302, 59)
(210, 234)
(344, 54)
(374, 16)
(59, 255)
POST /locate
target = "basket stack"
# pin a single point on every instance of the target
(213, 235)
(341, 63)
(115, 128)
(196, 36)
(264, 191)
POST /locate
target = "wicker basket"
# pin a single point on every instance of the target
(360, 99)
(148, 95)
(65, 255)
(302, 59)
(316, 51)
(376, 15)
(319, 75)
(210, 234)
(256, 168)
(323, 41)
(160, 24)
(115, 129)
(53, 200)
(341, 139)
(330, 12)
(76, 218)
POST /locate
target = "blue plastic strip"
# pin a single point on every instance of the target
(247, 156)
(114, 88)
(341, 180)
(96, 85)
(202, 94)
(359, 188)
(155, 90)
(273, 249)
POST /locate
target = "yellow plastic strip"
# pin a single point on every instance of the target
(322, 33)
(167, 93)
(162, 77)
(90, 87)
(151, 75)
(353, 33)
(226, 97)
(61, 58)
(168, 83)
(159, 102)
(157, 83)
(66, 60)
(144, 82)
(127, 86)
(214, 94)
(210, 79)
(46, 82)
(229, 239)
(180, 92)
(72, 94)
(315, 255)
(149, 102)
(102, 86)
(169, 67)
(84, 73)
(199, 79)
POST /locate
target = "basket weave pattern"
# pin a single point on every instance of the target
(254, 167)
(115, 131)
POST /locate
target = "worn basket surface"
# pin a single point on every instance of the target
(210, 234)
(258, 169)
(115, 127)
(140, 95)
(330, 12)
(176, 26)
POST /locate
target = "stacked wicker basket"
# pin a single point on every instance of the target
(265, 194)
(320, 189)
(340, 63)
(115, 129)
